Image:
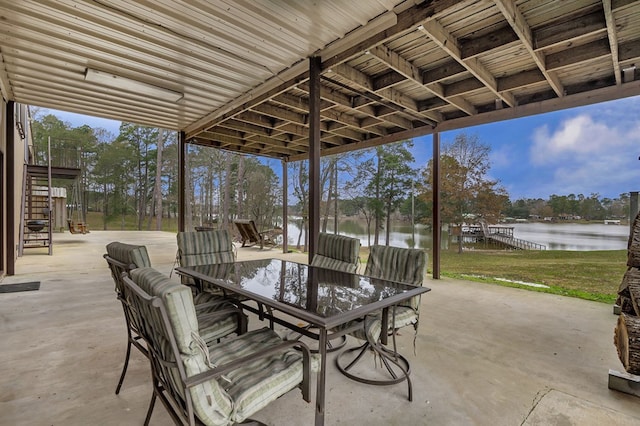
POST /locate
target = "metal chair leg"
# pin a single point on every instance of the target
(124, 368)
(150, 409)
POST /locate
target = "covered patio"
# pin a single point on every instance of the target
(484, 355)
(296, 81)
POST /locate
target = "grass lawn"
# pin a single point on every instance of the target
(592, 275)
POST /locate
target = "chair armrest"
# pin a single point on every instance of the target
(220, 370)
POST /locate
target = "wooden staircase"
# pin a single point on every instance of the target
(37, 220)
(35, 229)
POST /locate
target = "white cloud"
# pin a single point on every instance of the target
(588, 155)
(579, 136)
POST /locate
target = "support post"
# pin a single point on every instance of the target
(315, 64)
(182, 152)
(437, 226)
(10, 159)
(285, 207)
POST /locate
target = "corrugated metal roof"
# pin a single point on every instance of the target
(390, 70)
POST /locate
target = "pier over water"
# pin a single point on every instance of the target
(500, 235)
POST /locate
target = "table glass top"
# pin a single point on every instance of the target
(322, 291)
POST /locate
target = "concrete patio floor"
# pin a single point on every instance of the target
(485, 355)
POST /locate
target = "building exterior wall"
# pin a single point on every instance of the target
(14, 137)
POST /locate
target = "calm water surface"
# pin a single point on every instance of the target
(556, 236)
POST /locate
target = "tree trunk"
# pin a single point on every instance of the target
(240, 186)
(189, 197)
(157, 190)
(227, 193)
(105, 207)
(627, 341)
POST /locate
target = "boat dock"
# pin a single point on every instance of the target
(500, 235)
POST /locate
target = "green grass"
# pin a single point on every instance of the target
(94, 220)
(591, 275)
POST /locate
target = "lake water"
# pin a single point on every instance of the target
(555, 236)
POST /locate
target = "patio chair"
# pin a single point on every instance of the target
(219, 385)
(396, 264)
(337, 252)
(204, 248)
(122, 258)
(250, 235)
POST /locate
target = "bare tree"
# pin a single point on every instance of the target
(157, 189)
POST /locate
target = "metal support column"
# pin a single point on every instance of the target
(437, 226)
(315, 64)
(182, 152)
(10, 182)
(285, 207)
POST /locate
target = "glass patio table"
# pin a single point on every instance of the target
(327, 300)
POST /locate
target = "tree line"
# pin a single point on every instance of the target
(130, 180)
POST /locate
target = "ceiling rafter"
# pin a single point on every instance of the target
(520, 26)
(613, 39)
(390, 95)
(447, 42)
(413, 73)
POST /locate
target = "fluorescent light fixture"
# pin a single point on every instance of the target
(130, 85)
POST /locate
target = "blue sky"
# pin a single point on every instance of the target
(585, 150)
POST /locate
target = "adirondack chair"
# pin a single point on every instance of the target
(251, 236)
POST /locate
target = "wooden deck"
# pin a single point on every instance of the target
(500, 235)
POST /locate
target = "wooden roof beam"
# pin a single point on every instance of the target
(569, 29)
(580, 54)
(391, 95)
(629, 51)
(252, 129)
(339, 98)
(613, 39)
(449, 44)
(413, 73)
(442, 72)
(520, 26)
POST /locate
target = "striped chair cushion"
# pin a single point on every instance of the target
(211, 403)
(335, 264)
(255, 385)
(337, 252)
(212, 329)
(405, 316)
(204, 248)
(372, 326)
(129, 254)
(398, 264)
